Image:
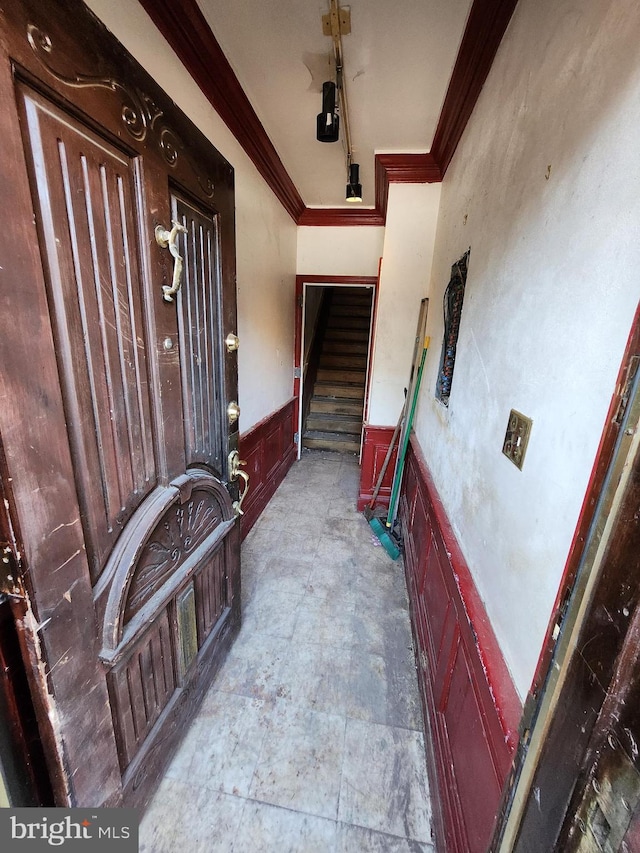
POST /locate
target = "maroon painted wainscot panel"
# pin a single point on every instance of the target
(471, 706)
(374, 449)
(269, 451)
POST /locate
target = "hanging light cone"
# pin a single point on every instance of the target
(328, 122)
(354, 187)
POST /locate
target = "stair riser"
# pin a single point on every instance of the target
(345, 348)
(348, 322)
(338, 445)
(346, 335)
(332, 389)
(350, 311)
(327, 423)
(354, 362)
(336, 406)
(355, 376)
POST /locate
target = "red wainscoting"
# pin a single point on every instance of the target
(374, 449)
(269, 451)
(471, 707)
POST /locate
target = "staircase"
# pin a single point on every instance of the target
(334, 421)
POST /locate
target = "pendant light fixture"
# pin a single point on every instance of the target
(328, 122)
(354, 187)
(336, 24)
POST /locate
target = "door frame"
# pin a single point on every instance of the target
(302, 282)
(617, 453)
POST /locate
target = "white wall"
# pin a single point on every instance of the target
(265, 234)
(339, 250)
(545, 189)
(404, 280)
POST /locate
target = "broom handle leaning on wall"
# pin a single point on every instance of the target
(402, 451)
(383, 470)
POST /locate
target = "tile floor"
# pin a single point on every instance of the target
(310, 740)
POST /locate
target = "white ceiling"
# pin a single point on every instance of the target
(397, 62)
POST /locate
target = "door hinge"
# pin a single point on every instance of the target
(296, 438)
(526, 720)
(297, 373)
(9, 570)
(300, 300)
(626, 389)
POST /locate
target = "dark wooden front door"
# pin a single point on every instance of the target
(114, 398)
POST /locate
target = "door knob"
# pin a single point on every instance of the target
(232, 342)
(233, 412)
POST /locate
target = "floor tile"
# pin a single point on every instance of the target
(383, 689)
(300, 763)
(230, 730)
(269, 829)
(356, 839)
(252, 665)
(384, 781)
(188, 817)
(316, 676)
(273, 613)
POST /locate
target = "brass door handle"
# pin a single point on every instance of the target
(169, 239)
(233, 412)
(234, 463)
(237, 505)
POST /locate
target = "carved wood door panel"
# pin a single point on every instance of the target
(114, 414)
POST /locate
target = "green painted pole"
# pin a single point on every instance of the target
(402, 451)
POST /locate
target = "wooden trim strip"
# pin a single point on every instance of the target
(190, 36)
(340, 216)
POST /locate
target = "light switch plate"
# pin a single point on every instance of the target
(517, 437)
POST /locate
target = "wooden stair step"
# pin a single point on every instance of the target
(357, 362)
(350, 311)
(340, 297)
(340, 347)
(333, 422)
(348, 322)
(338, 405)
(339, 389)
(347, 335)
(331, 441)
(341, 375)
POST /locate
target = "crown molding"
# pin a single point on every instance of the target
(190, 36)
(486, 26)
(192, 40)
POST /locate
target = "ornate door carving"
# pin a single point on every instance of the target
(115, 424)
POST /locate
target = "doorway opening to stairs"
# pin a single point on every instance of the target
(334, 323)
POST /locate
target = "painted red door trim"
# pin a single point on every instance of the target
(329, 280)
(193, 41)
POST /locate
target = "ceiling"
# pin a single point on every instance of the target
(398, 60)
(413, 69)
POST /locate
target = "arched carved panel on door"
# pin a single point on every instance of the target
(168, 539)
